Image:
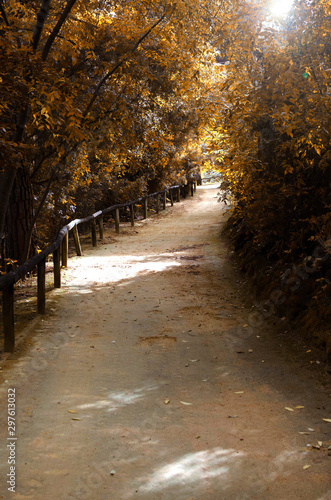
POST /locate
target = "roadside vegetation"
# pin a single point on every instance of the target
(275, 129)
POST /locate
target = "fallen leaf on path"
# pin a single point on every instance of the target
(250, 350)
(320, 443)
(194, 360)
(327, 420)
(72, 411)
(311, 430)
(184, 403)
(305, 433)
(306, 467)
(299, 406)
(75, 419)
(166, 401)
(288, 409)
(239, 392)
(233, 416)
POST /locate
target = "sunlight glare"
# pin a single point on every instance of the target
(280, 8)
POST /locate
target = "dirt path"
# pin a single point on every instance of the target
(145, 382)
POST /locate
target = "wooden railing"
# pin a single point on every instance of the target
(59, 250)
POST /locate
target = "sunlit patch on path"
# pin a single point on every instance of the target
(119, 399)
(191, 469)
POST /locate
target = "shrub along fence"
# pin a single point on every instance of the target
(59, 250)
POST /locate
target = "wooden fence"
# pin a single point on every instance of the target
(59, 250)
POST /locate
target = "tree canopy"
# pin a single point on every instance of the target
(95, 93)
(105, 100)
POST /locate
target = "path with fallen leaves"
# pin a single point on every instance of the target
(151, 378)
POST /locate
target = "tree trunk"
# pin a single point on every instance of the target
(7, 178)
(18, 219)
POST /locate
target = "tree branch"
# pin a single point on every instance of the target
(112, 71)
(43, 198)
(41, 18)
(57, 28)
(41, 161)
(3, 13)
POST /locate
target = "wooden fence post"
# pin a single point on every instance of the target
(77, 241)
(100, 225)
(145, 207)
(117, 220)
(94, 233)
(41, 294)
(65, 249)
(57, 268)
(132, 214)
(164, 199)
(192, 188)
(8, 318)
(178, 193)
(157, 203)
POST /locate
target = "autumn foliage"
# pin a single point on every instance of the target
(274, 131)
(104, 100)
(98, 101)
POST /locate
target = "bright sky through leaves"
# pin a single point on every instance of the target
(280, 8)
